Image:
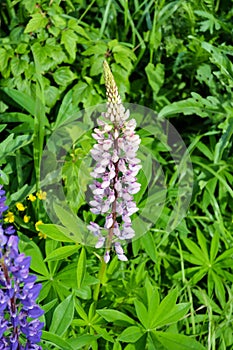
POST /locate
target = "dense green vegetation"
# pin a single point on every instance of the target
(175, 57)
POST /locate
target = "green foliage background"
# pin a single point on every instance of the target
(174, 57)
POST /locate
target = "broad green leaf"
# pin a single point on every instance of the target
(117, 346)
(155, 76)
(193, 105)
(82, 340)
(4, 57)
(38, 21)
(148, 243)
(142, 313)
(15, 117)
(9, 146)
(71, 223)
(56, 232)
(81, 267)
(69, 39)
(63, 76)
(56, 340)
(62, 316)
(115, 316)
(131, 334)
(178, 341)
(62, 253)
(37, 262)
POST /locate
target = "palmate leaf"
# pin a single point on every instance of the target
(167, 311)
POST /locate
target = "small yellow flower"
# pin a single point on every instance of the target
(31, 197)
(41, 195)
(20, 206)
(9, 217)
(42, 235)
(40, 222)
(26, 219)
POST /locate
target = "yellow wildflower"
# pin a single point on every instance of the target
(20, 206)
(40, 222)
(31, 197)
(42, 235)
(9, 217)
(26, 219)
(41, 195)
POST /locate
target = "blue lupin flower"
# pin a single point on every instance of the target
(18, 293)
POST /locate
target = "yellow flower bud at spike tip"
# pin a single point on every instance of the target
(111, 87)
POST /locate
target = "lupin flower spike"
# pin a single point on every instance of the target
(115, 172)
(18, 293)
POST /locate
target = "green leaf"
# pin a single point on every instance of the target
(175, 314)
(115, 316)
(142, 313)
(131, 334)
(148, 243)
(9, 146)
(155, 76)
(37, 262)
(56, 341)
(104, 334)
(195, 250)
(4, 57)
(63, 316)
(178, 341)
(69, 39)
(214, 247)
(25, 101)
(62, 253)
(56, 232)
(165, 309)
(81, 268)
(38, 21)
(64, 76)
(82, 340)
(71, 223)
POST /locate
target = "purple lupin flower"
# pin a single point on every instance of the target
(115, 172)
(18, 293)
